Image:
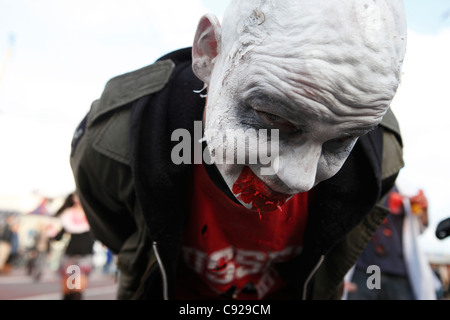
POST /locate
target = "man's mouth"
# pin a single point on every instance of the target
(249, 189)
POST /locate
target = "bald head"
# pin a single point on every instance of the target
(323, 72)
(350, 51)
(364, 23)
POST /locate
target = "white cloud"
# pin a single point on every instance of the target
(35, 156)
(422, 107)
(50, 83)
(173, 20)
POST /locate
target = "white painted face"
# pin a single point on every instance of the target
(319, 72)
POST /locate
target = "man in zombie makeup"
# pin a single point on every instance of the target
(161, 177)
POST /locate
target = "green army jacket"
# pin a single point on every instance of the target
(119, 160)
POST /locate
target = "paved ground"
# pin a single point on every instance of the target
(17, 285)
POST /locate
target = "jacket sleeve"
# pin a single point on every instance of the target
(100, 157)
(101, 166)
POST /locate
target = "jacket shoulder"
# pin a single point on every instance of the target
(390, 123)
(131, 86)
(108, 120)
(392, 161)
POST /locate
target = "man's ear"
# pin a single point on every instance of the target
(206, 47)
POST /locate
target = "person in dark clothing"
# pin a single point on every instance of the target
(6, 241)
(76, 263)
(404, 272)
(189, 213)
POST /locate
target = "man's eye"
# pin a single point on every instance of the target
(339, 143)
(269, 116)
(342, 140)
(277, 122)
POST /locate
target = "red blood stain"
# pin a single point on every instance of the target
(250, 189)
(387, 232)
(395, 203)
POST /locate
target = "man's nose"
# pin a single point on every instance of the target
(298, 166)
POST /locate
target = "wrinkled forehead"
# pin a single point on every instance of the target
(347, 53)
(368, 21)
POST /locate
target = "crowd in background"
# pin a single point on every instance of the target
(43, 241)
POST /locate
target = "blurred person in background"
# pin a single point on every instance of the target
(6, 241)
(405, 272)
(38, 252)
(77, 260)
(14, 255)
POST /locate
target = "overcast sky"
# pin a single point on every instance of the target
(63, 53)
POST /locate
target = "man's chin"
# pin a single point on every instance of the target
(268, 206)
(254, 194)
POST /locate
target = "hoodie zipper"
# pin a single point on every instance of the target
(163, 271)
(311, 275)
(164, 274)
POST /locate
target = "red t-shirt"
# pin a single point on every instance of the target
(230, 250)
